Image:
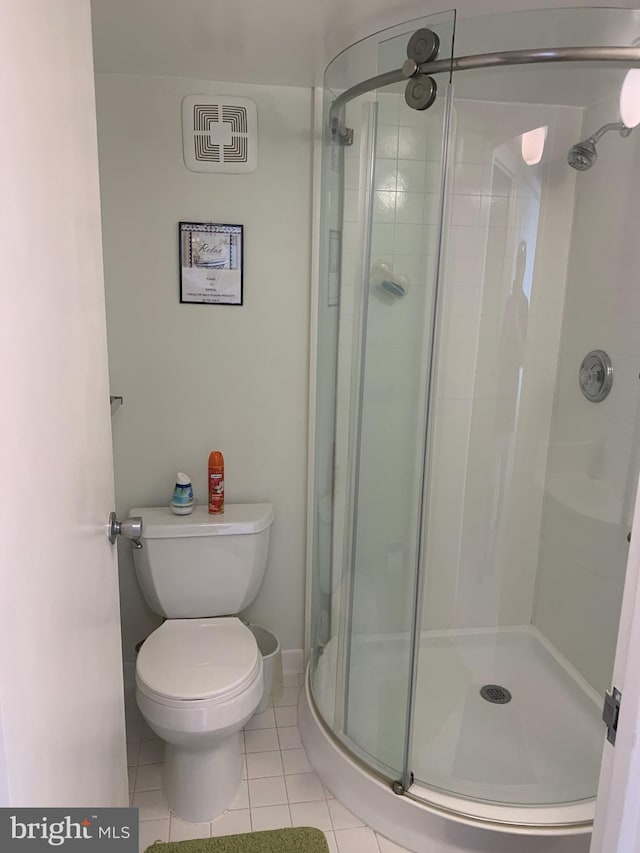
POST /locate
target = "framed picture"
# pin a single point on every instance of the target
(210, 263)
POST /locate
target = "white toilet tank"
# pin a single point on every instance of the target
(200, 565)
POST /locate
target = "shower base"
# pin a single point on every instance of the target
(490, 776)
(542, 747)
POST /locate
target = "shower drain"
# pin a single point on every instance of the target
(496, 694)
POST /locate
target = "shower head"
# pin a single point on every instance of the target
(583, 154)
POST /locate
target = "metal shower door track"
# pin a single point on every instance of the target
(629, 56)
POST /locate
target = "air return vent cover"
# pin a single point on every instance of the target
(219, 134)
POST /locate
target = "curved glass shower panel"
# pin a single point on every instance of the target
(321, 627)
(340, 173)
(531, 485)
(380, 237)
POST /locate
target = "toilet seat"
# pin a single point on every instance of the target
(198, 661)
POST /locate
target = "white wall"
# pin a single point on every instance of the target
(593, 459)
(199, 377)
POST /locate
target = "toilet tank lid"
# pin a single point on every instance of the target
(158, 522)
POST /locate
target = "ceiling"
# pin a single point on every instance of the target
(277, 42)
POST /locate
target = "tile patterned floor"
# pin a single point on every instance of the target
(278, 789)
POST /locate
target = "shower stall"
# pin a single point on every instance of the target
(477, 426)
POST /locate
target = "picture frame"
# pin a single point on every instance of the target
(211, 263)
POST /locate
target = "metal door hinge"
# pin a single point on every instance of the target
(340, 133)
(611, 712)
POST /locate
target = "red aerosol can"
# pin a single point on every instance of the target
(216, 482)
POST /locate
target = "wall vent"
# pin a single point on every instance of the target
(219, 134)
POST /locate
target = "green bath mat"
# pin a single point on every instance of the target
(302, 839)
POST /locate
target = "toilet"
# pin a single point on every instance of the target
(199, 675)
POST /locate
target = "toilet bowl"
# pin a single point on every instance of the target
(199, 676)
(198, 682)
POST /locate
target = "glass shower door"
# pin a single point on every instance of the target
(389, 376)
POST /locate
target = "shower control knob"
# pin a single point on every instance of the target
(596, 375)
(591, 377)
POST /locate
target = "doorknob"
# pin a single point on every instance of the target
(130, 528)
